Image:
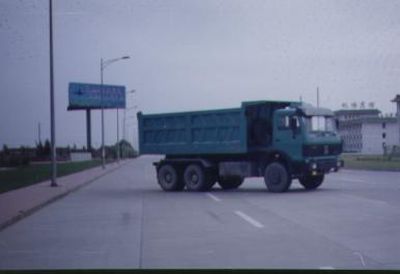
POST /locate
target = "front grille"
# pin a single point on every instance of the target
(321, 150)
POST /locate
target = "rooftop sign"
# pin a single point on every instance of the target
(89, 96)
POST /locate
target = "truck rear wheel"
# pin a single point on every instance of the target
(277, 177)
(231, 182)
(196, 178)
(169, 179)
(311, 182)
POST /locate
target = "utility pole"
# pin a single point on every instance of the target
(318, 118)
(39, 134)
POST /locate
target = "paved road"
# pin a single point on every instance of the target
(124, 220)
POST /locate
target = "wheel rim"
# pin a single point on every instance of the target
(194, 178)
(168, 178)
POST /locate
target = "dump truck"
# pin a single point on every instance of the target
(277, 140)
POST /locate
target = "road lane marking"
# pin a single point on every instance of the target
(361, 257)
(351, 180)
(215, 198)
(327, 268)
(347, 171)
(360, 199)
(249, 219)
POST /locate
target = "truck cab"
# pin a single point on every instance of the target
(309, 136)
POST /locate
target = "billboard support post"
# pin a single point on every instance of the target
(88, 131)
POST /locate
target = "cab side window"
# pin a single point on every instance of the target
(284, 122)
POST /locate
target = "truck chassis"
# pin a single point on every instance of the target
(198, 173)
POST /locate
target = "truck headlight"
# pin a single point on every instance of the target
(313, 166)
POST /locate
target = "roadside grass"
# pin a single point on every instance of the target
(34, 173)
(371, 162)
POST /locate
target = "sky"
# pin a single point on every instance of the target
(191, 55)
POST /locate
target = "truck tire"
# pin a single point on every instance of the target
(311, 182)
(277, 177)
(231, 182)
(169, 179)
(196, 178)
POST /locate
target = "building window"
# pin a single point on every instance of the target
(383, 135)
(383, 125)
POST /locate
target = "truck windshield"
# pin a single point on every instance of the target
(320, 124)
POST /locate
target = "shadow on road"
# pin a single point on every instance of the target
(265, 191)
(131, 193)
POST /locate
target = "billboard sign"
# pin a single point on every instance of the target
(89, 96)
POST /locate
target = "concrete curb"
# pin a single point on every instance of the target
(369, 169)
(22, 214)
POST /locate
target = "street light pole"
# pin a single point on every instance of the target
(124, 128)
(103, 65)
(103, 158)
(52, 109)
(118, 156)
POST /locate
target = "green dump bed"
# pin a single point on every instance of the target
(199, 132)
(224, 131)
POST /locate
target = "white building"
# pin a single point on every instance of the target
(365, 131)
(396, 100)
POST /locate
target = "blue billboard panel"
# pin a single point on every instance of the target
(89, 96)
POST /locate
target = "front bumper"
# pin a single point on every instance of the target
(321, 166)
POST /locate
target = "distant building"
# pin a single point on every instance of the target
(351, 114)
(397, 101)
(366, 131)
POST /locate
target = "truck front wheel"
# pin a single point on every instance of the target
(277, 177)
(311, 182)
(231, 182)
(196, 178)
(169, 179)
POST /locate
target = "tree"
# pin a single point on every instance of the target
(39, 149)
(6, 151)
(126, 149)
(47, 148)
(23, 150)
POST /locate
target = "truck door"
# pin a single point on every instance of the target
(288, 138)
